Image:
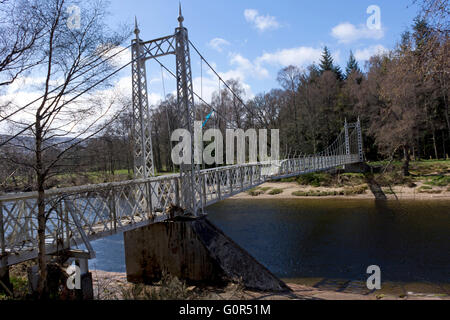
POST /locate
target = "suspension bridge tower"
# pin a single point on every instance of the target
(178, 45)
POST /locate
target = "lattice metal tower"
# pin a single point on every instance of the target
(360, 141)
(347, 140)
(190, 187)
(142, 130)
(177, 44)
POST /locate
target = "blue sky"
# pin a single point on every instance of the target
(252, 40)
(245, 40)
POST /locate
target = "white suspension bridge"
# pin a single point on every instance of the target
(79, 215)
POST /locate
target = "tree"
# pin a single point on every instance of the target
(436, 12)
(20, 31)
(327, 63)
(289, 79)
(73, 62)
(352, 66)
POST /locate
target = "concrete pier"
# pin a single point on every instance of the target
(196, 251)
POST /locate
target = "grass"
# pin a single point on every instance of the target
(315, 179)
(169, 288)
(345, 192)
(275, 191)
(428, 189)
(292, 179)
(255, 192)
(387, 191)
(258, 190)
(20, 288)
(438, 181)
(412, 163)
(314, 193)
(431, 172)
(355, 190)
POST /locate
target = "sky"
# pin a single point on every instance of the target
(246, 40)
(253, 40)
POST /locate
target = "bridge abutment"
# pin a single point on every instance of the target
(196, 251)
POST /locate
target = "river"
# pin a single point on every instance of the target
(308, 240)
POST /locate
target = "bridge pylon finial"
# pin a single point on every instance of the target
(180, 15)
(136, 28)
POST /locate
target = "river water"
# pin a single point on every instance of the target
(329, 239)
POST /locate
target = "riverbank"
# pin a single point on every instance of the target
(292, 190)
(428, 180)
(114, 286)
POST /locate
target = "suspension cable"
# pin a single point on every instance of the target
(195, 94)
(220, 79)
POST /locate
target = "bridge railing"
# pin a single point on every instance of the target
(77, 215)
(224, 182)
(292, 167)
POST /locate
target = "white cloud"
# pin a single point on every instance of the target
(123, 87)
(365, 54)
(218, 44)
(242, 69)
(119, 55)
(260, 22)
(299, 56)
(347, 32)
(26, 90)
(247, 67)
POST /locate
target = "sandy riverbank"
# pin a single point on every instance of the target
(401, 192)
(113, 285)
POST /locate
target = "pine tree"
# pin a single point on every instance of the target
(327, 64)
(352, 65)
(338, 72)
